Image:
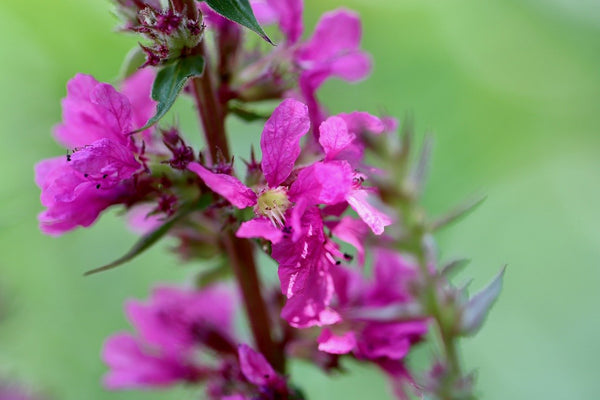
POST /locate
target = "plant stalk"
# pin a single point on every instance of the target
(239, 251)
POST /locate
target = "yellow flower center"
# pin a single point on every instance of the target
(273, 203)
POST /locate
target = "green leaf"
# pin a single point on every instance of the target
(238, 11)
(478, 307)
(169, 82)
(456, 214)
(148, 240)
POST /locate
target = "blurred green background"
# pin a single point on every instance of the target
(511, 91)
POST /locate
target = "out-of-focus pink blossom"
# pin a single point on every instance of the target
(169, 328)
(371, 339)
(332, 51)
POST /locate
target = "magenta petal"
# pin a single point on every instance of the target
(310, 307)
(363, 122)
(132, 367)
(334, 136)
(323, 183)
(263, 11)
(336, 33)
(260, 228)
(289, 14)
(118, 109)
(105, 162)
(255, 367)
(92, 111)
(227, 186)
(71, 199)
(391, 340)
(351, 67)
(392, 274)
(137, 88)
(375, 219)
(353, 232)
(280, 141)
(333, 344)
(173, 315)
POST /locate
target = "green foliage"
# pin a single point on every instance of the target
(169, 82)
(238, 11)
(150, 239)
(478, 307)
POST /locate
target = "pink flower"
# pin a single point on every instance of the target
(280, 144)
(305, 267)
(169, 328)
(286, 13)
(97, 121)
(71, 198)
(333, 51)
(135, 365)
(333, 180)
(372, 339)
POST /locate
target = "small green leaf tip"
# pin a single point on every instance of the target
(169, 82)
(478, 307)
(239, 11)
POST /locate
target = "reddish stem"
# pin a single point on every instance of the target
(210, 110)
(240, 251)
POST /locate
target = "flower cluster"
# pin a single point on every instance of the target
(357, 273)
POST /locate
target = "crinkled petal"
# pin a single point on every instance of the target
(280, 141)
(336, 344)
(260, 228)
(71, 200)
(323, 183)
(375, 219)
(227, 186)
(304, 275)
(105, 162)
(92, 111)
(334, 136)
(138, 88)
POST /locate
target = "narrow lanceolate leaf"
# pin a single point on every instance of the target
(453, 267)
(148, 240)
(457, 214)
(419, 174)
(238, 11)
(478, 307)
(169, 82)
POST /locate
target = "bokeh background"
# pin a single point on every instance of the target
(511, 92)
